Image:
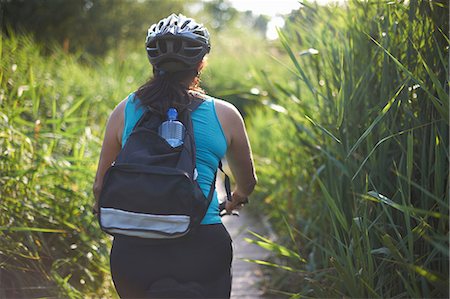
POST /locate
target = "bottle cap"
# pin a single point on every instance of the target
(172, 114)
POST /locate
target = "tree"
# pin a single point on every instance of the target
(92, 25)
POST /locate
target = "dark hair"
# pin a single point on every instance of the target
(170, 89)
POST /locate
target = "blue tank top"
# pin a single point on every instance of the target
(210, 142)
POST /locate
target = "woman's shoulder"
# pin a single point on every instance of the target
(227, 110)
(118, 111)
(117, 116)
(221, 106)
(229, 117)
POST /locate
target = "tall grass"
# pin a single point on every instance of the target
(352, 154)
(52, 116)
(353, 165)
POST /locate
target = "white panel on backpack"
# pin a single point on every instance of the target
(144, 225)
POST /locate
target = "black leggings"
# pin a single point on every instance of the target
(197, 266)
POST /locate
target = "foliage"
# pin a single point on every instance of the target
(95, 26)
(353, 154)
(350, 139)
(50, 135)
(233, 65)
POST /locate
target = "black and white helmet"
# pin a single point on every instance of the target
(176, 39)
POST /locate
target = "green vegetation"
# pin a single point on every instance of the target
(348, 118)
(94, 26)
(49, 143)
(353, 156)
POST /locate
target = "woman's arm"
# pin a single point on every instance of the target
(239, 154)
(112, 144)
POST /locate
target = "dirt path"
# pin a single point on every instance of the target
(247, 277)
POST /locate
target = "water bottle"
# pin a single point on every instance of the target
(172, 130)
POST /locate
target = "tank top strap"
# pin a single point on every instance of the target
(133, 112)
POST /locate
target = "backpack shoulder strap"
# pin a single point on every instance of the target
(213, 184)
(226, 181)
(187, 120)
(195, 102)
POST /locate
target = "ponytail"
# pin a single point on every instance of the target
(167, 90)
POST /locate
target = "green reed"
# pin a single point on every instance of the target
(52, 116)
(354, 159)
(351, 151)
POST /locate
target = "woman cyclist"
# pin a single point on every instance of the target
(198, 265)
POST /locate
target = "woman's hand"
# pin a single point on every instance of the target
(236, 203)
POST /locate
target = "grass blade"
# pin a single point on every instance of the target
(380, 116)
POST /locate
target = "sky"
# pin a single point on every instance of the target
(268, 7)
(273, 9)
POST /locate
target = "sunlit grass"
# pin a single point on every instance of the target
(52, 115)
(355, 162)
(350, 136)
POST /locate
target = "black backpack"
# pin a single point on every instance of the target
(150, 190)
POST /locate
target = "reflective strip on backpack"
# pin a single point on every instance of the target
(144, 225)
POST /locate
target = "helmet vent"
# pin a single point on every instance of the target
(162, 46)
(199, 33)
(177, 46)
(152, 52)
(185, 24)
(193, 51)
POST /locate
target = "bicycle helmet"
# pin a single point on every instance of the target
(176, 43)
